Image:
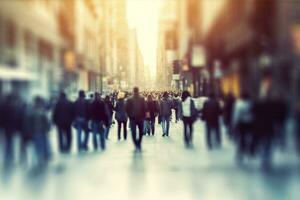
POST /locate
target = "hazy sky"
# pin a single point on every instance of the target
(143, 15)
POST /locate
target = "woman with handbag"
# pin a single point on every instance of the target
(188, 114)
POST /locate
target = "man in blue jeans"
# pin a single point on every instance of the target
(136, 110)
(165, 114)
(81, 121)
(100, 119)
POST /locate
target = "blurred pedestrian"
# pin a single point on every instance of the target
(100, 120)
(176, 104)
(121, 115)
(228, 113)
(110, 107)
(152, 108)
(211, 114)
(9, 107)
(39, 129)
(188, 114)
(136, 110)
(63, 116)
(242, 126)
(165, 114)
(81, 109)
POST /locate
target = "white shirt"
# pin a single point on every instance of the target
(186, 107)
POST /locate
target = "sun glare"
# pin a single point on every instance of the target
(143, 16)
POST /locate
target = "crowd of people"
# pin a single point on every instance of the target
(254, 126)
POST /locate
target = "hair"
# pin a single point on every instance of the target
(165, 95)
(185, 95)
(135, 90)
(149, 97)
(81, 94)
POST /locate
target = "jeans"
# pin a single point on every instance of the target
(8, 149)
(216, 129)
(42, 148)
(165, 124)
(98, 131)
(64, 139)
(147, 127)
(188, 130)
(81, 126)
(152, 124)
(137, 141)
(108, 128)
(124, 129)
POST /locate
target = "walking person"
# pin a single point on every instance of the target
(188, 114)
(81, 107)
(63, 116)
(9, 123)
(136, 110)
(121, 115)
(176, 105)
(210, 114)
(100, 120)
(165, 114)
(110, 108)
(152, 108)
(40, 126)
(242, 124)
(228, 113)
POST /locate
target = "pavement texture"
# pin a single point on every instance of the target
(165, 169)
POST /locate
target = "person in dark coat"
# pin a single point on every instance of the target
(11, 124)
(63, 116)
(100, 120)
(165, 114)
(136, 110)
(40, 126)
(152, 110)
(81, 108)
(210, 114)
(263, 127)
(228, 113)
(121, 115)
(110, 107)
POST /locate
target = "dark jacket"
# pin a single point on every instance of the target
(165, 108)
(12, 114)
(99, 112)
(110, 107)
(211, 112)
(63, 114)
(153, 108)
(81, 108)
(121, 114)
(136, 108)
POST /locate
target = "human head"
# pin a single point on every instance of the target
(165, 95)
(149, 98)
(97, 95)
(81, 94)
(185, 95)
(135, 91)
(62, 95)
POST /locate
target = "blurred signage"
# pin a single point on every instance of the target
(198, 57)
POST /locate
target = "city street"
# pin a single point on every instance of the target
(164, 170)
